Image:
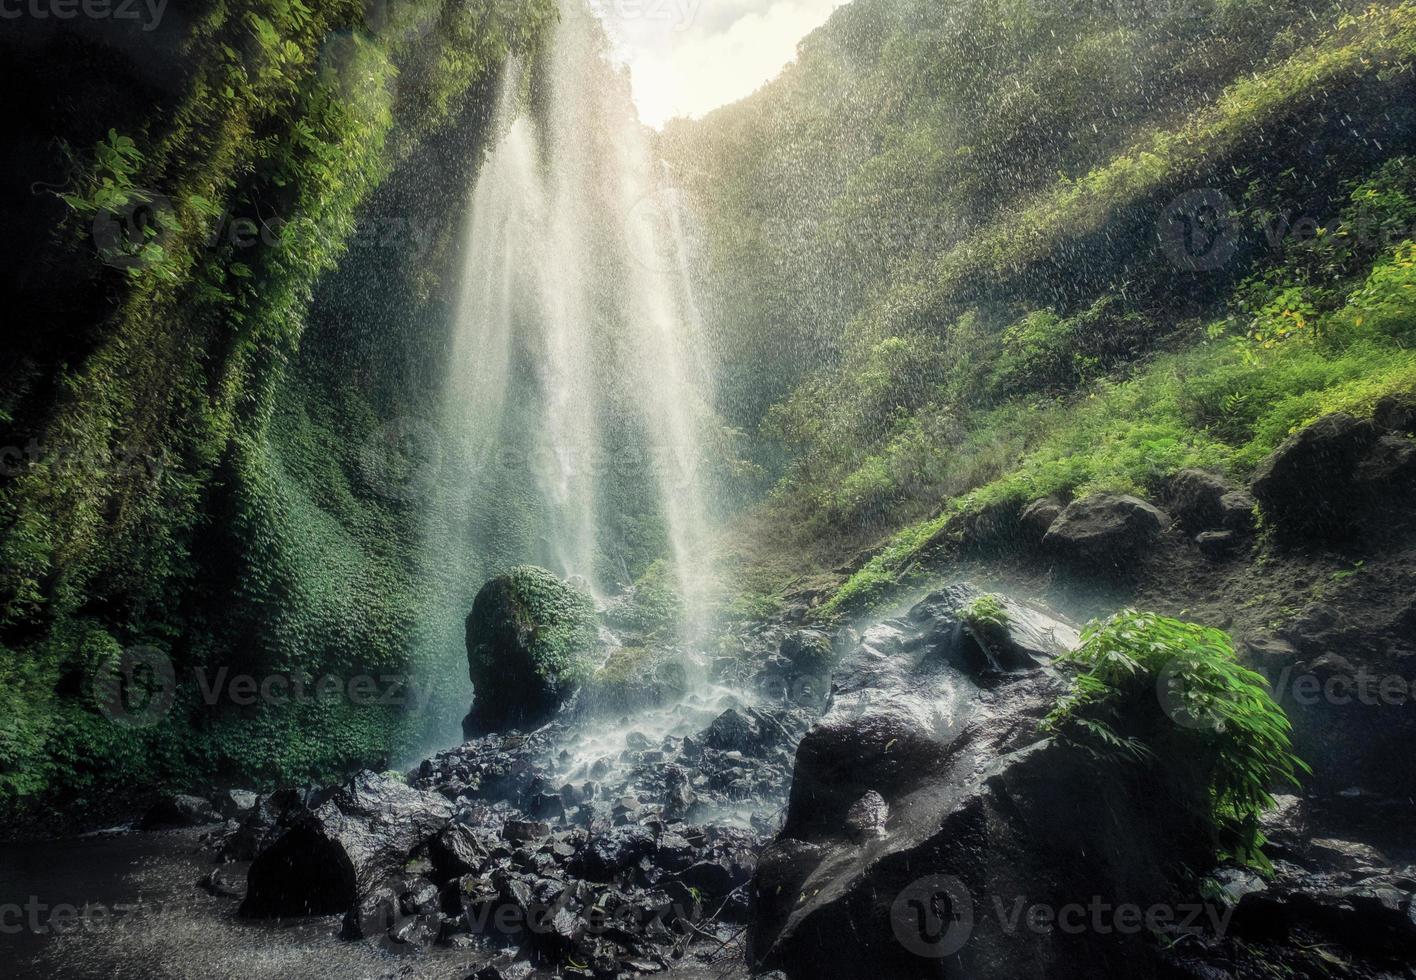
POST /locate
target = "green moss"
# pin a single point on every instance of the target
(651, 606)
(243, 486)
(554, 620)
(986, 612)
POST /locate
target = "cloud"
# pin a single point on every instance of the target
(688, 57)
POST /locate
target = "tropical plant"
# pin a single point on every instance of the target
(1156, 691)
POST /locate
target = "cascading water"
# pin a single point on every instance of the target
(575, 393)
(575, 373)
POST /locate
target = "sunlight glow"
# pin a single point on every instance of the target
(688, 57)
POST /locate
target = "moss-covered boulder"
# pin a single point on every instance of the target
(636, 678)
(530, 637)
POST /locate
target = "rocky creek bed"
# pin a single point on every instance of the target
(895, 814)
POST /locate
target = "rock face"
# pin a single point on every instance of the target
(177, 810)
(529, 637)
(1328, 479)
(923, 796)
(330, 857)
(1196, 500)
(1104, 529)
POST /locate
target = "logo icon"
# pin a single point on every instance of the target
(401, 460)
(1199, 231)
(137, 689)
(132, 235)
(933, 917)
(1182, 705)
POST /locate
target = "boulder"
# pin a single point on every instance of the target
(607, 854)
(1217, 545)
(1196, 500)
(1040, 515)
(1105, 529)
(1026, 637)
(945, 746)
(235, 804)
(1396, 413)
(1305, 485)
(329, 857)
(1389, 465)
(461, 850)
(751, 731)
(529, 640)
(635, 679)
(178, 810)
(810, 652)
(1237, 512)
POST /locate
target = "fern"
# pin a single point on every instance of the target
(1152, 689)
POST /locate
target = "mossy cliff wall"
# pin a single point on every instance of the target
(239, 239)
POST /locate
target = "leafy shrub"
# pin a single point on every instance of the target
(1162, 692)
(651, 606)
(987, 611)
(1046, 352)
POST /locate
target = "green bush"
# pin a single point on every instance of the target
(651, 606)
(1164, 693)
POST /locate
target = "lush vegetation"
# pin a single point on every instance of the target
(201, 487)
(1005, 308)
(1156, 691)
(554, 620)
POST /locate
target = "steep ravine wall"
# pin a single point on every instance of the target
(212, 490)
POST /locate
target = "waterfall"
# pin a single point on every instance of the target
(576, 379)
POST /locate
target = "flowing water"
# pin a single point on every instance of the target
(576, 394)
(575, 375)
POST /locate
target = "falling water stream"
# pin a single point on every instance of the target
(575, 362)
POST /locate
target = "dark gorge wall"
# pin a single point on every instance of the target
(236, 261)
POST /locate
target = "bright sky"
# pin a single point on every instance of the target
(687, 57)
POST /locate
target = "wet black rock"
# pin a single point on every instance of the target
(1237, 512)
(460, 850)
(950, 744)
(751, 731)
(177, 810)
(1338, 475)
(609, 853)
(866, 818)
(1195, 500)
(235, 804)
(1040, 515)
(326, 858)
(1105, 529)
(1217, 545)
